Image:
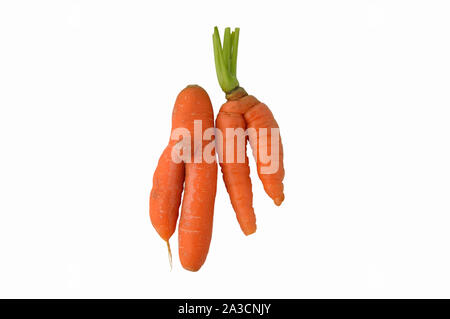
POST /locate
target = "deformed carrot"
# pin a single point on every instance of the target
(200, 179)
(245, 112)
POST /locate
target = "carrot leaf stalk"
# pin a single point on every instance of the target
(225, 58)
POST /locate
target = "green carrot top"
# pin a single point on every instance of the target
(226, 58)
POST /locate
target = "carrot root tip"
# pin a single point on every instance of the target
(248, 230)
(170, 254)
(279, 200)
(192, 269)
(248, 233)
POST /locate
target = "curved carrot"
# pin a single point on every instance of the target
(195, 226)
(245, 111)
(260, 117)
(165, 197)
(237, 175)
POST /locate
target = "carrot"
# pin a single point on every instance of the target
(237, 175)
(245, 112)
(165, 197)
(200, 179)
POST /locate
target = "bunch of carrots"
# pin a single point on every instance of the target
(199, 178)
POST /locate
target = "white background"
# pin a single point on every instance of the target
(360, 90)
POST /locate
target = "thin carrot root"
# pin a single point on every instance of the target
(170, 254)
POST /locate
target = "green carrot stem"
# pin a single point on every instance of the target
(234, 45)
(225, 58)
(227, 48)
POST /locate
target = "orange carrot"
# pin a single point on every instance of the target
(246, 112)
(165, 197)
(195, 226)
(237, 175)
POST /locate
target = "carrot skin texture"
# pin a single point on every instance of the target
(196, 222)
(257, 117)
(236, 176)
(165, 197)
(197, 211)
